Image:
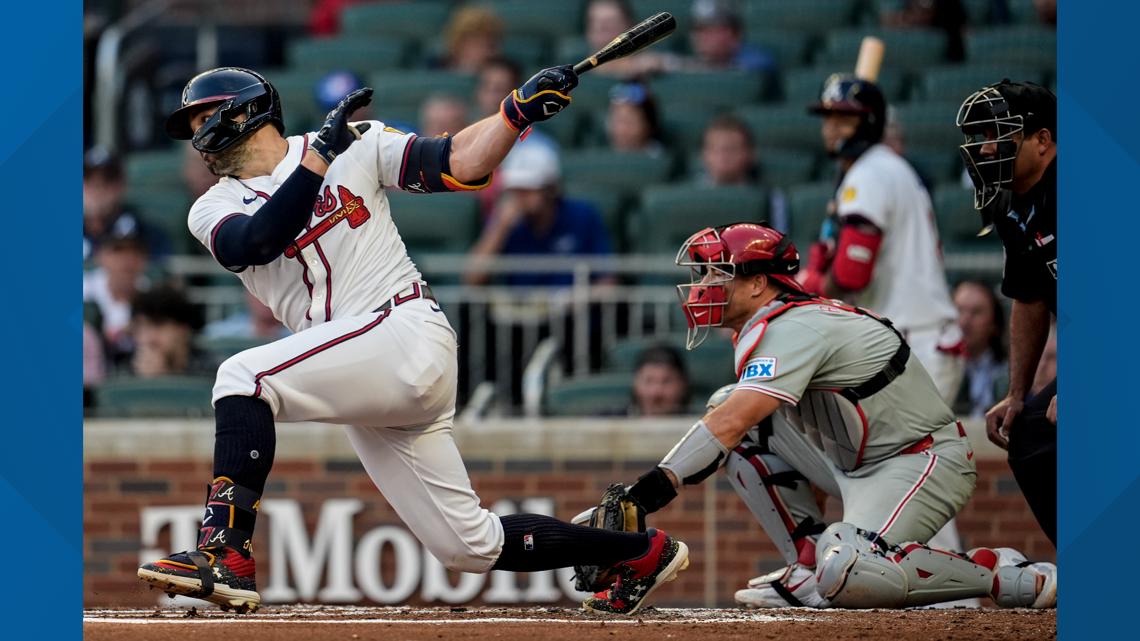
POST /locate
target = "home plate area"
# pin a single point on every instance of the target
(316, 623)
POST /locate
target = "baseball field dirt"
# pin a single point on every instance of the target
(314, 623)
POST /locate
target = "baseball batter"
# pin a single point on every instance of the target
(304, 223)
(842, 402)
(880, 247)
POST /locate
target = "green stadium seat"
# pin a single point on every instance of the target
(571, 48)
(786, 166)
(958, 221)
(930, 124)
(421, 19)
(529, 52)
(906, 49)
(807, 207)
(790, 48)
(623, 172)
(589, 395)
(1023, 45)
(1024, 12)
(359, 54)
(937, 164)
(435, 223)
(958, 81)
(789, 126)
(550, 19)
(166, 208)
(712, 89)
(708, 368)
(151, 169)
(298, 97)
(812, 16)
(671, 213)
(567, 129)
(593, 92)
(802, 86)
(979, 12)
(223, 347)
(612, 206)
(171, 396)
(404, 89)
(684, 125)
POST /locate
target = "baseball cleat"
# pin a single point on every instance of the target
(638, 578)
(790, 587)
(222, 576)
(1018, 582)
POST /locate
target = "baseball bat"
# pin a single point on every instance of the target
(636, 38)
(870, 59)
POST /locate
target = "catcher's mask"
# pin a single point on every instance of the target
(992, 143)
(717, 255)
(235, 91)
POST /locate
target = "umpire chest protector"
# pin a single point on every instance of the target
(832, 418)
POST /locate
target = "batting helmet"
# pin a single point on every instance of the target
(846, 94)
(991, 119)
(716, 255)
(235, 91)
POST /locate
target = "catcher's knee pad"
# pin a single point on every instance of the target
(853, 572)
(778, 496)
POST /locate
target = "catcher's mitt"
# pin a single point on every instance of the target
(617, 511)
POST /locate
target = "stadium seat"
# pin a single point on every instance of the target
(802, 87)
(684, 125)
(166, 208)
(625, 173)
(906, 49)
(712, 89)
(789, 126)
(671, 213)
(572, 47)
(612, 206)
(435, 223)
(223, 347)
(958, 221)
(708, 367)
(549, 19)
(811, 16)
(937, 164)
(930, 124)
(789, 47)
(589, 395)
(807, 205)
(529, 52)
(593, 92)
(171, 396)
(567, 129)
(298, 97)
(401, 88)
(955, 82)
(979, 12)
(421, 19)
(1024, 12)
(786, 166)
(154, 169)
(359, 54)
(1023, 45)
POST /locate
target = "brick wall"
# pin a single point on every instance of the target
(117, 488)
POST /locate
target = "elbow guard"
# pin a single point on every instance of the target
(855, 255)
(427, 168)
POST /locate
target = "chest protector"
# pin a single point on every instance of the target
(832, 418)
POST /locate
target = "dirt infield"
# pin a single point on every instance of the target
(312, 623)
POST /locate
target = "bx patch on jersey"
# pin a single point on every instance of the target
(759, 369)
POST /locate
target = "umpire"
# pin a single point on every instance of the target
(1011, 156)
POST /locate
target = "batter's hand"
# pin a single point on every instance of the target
(336, 134)
(545, 94)
(1000, 419)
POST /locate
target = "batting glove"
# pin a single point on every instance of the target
(545, 94)
(336, 134)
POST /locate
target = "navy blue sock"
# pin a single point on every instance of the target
(244, 441)
(534, 542)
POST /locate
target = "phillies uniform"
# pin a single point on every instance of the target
(372, 350)
(908, 282)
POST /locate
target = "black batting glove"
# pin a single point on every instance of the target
(545, 94)
(336, 134)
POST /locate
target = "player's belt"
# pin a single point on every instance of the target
(418, 291)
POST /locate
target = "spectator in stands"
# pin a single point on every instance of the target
(104, 212)
(334, 86)
(728, 158)
(660, 383)
(717, 40)
(442, 114)
(981, 317)
(94, 363)
(533, 217)
(497, 78)
(472, 38)
(605, 20)
(108, 289)
(324, 19)
(948, 16)
(632, 124)
(164, 323)
(257, 321)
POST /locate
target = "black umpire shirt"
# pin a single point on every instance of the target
(1029, 233)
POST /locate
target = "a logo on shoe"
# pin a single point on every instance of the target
(219, 537)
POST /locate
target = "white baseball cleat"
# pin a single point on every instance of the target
(793, 586)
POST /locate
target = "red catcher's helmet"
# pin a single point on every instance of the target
(716, 255)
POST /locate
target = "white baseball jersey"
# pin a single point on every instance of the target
(350, 258)
(908, 284)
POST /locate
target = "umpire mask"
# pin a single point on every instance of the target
(990, 126)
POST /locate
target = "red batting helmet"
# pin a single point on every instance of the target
(716, 255)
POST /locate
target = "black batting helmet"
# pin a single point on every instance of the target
(235, 91)
(846, 94)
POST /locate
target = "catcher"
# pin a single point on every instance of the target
(830, 394)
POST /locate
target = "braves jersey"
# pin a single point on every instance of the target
(349, 259)
(805, 355)
(908, 284)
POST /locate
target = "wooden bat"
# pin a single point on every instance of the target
(636, 38)
(870, 59)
